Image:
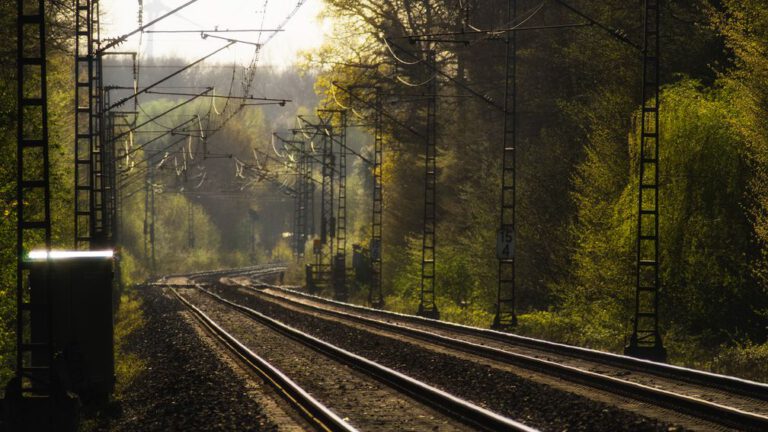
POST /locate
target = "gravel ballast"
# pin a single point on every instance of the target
(363, 401)
(532, 403)
(185, 385)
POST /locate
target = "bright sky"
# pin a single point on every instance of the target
(304, 31)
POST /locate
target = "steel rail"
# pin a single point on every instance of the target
(437, 399)
(709, 411)
(315, 412)
(725, 383)
(230, 271)
(706, 410)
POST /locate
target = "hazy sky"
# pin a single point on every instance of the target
(304, 31)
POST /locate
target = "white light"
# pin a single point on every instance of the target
(41, 254)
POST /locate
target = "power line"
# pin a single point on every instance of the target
(167, 77)
(123, 38)
(216, 31)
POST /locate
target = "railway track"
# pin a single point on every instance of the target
(260, 270)
(317, 414)
(717, 399)
(450, 406)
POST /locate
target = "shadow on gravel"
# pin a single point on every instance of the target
(178, 383)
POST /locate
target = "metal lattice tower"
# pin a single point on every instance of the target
(149, 215)
(340, 258)
(100, 230)
(505, 300)
(153, 262)
(323, 253)
(146, 214)
(427, 306)
(308, 191)
(646, 341)
(311, 192)
(300, 230)
(303, 175)
(375, 297)
(297, 211)
(117, 121)
(84, 115)
(33, 197)
(112, 121)
(190, 224)
(108, 173)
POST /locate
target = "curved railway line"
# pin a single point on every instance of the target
(717, 399)
(456, 410)
(313, 411)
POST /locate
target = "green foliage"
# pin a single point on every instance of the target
(744, 24)
(131, 270)
(282, 252)
(172, 247)
(576, 173)
(706, 239)
(597, 327)
(748, 361)
(129, 318)
(577, 169)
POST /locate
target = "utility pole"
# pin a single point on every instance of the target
(300, 203)
(506, 317)
(253, 216)
(427, 306)
(147, 187)
(190, 224)
(311, 192)
(303, 180)
(34, 350)
(645, 341)
(153, 262)
(149, 216)
(85, 117)
(375, 297)
(340, 258)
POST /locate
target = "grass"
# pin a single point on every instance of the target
(129, 319)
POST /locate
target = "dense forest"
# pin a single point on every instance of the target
(578, 102)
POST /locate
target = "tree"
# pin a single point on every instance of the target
(708, 293)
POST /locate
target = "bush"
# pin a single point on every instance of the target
(586, 330)
(749, 361)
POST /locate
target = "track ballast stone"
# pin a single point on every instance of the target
(185, 386)
(534, 404)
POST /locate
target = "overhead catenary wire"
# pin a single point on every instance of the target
(614, 32)
(249, 97)
(167, 77)
(525, 17)
(142, 146)
(216, 31)
(383, 112)
(123, 38)
(339, 142)
(410, 84)
(175, 107)
(207, 35)
(457, 81)
(230, 109)
(396, 57)
(335, 99)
